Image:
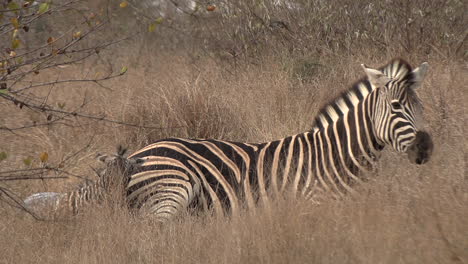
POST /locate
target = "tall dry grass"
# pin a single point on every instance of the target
(404, 214)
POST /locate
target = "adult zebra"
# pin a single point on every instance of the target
(347, 135)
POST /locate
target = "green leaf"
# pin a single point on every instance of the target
(159, 20)
(151, 27)
(123, 70)
(4, 91)
(61, 105)
(44, 7)
(15, 43)
(27, 161)
(3, 156)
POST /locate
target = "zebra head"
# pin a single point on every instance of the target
(397, 110)
(117, 165)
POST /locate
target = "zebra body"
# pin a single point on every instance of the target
(178, 173)
(348, 133)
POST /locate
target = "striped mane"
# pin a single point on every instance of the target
(397, 69)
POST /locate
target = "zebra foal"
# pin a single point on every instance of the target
(382, 109)
(112, 178)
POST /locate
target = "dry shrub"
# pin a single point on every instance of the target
(251, 30)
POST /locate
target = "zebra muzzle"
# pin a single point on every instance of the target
(421, 150)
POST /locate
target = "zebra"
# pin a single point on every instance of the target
(381, 109)
(52, 205)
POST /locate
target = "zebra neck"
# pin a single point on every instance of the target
(343, 149)
(350, 117)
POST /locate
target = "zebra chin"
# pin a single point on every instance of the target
(420, 151)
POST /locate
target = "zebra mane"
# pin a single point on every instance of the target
(397, 69)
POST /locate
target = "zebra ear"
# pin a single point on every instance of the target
(104, 158)
(101, 157)
(376, 77)
(419, 74)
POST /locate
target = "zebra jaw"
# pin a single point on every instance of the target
(421, 150)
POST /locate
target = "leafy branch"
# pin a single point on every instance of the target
(34, 41)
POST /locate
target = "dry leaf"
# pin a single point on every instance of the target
(50, 40)
(14, 22)
(44, 156)
(77, 34)
(211, 8)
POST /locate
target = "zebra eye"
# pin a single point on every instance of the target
(396, 106)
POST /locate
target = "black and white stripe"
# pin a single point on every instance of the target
(348, 133)
(113, 177)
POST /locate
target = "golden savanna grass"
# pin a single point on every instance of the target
(404, 214)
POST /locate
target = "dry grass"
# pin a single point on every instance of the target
(405, 214)
(399, 219)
